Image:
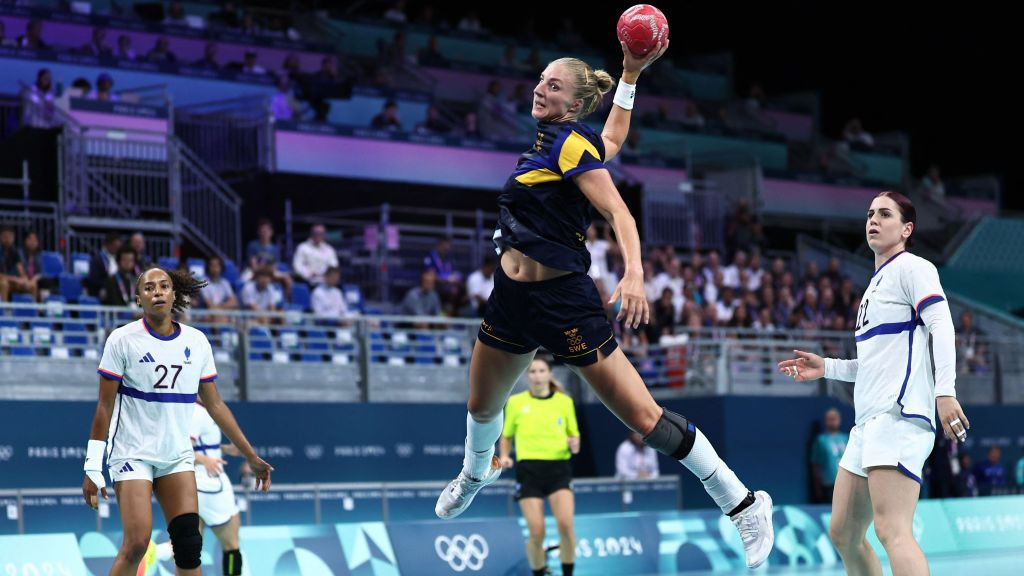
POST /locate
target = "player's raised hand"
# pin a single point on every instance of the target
(806, 366)
(262, 471)
(635, 65)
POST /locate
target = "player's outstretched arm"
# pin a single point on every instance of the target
(222, 415)
(616, 128)
(806, 366)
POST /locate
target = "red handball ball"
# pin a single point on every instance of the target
(641, 28)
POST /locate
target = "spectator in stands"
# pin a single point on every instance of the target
(510, 61)
(104, 91)
(33, 259)
(743, 230)
(209, 59)
(692, 117)
(740, 317)
(854, 133)
(663, 314)
(33, 36)
(314, 256)
(283, 104)
(218, 293)
(80, 88)
(250, 25)
(250, 65)
(826, 451)
(494, 120)
(327, 300)
(176, 15)
(430, 55)
(137, 242)
(765, 322)
(98, 45)
(672, 279)
(161, 52)
(12, 274)
(966, 481)
(124, 48)
(471, 23)
(480, 284)
(931, 186)
(756, 272)
(397, 53)
(834, 272)
(713, 266)
(458, 303)
(423, 300)
(433, 124)
(811, 274)
(226, 17)
(470, 126)
(635, 460)
(441, 262)
(328, 82)
(263, 252)
(731, 273)
(120, 287)
(991, 473)
(261, 295)
(388, 118)
(103, 265)
(521, 101)
(397, 13)
(38, 109)
(970, 346)
(291, 67)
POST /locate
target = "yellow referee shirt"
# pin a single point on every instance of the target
(541, 426)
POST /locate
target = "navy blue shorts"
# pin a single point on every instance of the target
(564, 315)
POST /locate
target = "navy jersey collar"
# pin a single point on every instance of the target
(157, 335)
(891, 258)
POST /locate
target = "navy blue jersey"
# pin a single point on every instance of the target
(543, 214)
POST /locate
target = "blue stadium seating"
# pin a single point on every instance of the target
(169, 262)
(21, 298)
(79, 263)
(301, 295)
(231, 271)
(53, 264)
(70, 287)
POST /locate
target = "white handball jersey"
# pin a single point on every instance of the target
(894, 367)
(205, 436)
(159, 378)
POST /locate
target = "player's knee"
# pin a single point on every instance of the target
(483, 412)
(891, 534)
(537, 534)
(843, 536)
(564, 527)
(673, 435)
(134, 548)
(232, 563)
(186, 540)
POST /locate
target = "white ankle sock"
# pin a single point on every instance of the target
(480, 439)
(719, 480)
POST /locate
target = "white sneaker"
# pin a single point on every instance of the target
(755, 526)
(459, 493)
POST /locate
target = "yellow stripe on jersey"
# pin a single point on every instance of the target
(538, 176)
(572, 151)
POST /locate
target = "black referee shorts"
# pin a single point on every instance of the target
(564, 315)
(541, 478)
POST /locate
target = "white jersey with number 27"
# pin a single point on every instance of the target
(159, 378)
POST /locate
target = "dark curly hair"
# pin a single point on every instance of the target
(186, 286)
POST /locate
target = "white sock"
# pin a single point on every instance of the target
(164, 552)
(719, 480)
(480, 439)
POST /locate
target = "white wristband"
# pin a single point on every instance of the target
(94, 455)
(624, 95)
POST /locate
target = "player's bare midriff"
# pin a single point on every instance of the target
(519, 267)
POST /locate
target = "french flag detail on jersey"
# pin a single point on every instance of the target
(209, 378)
(928, 301)
(110, 375)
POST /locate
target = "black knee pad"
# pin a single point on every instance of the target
(673, 435)
(186, 541)
(232, 563)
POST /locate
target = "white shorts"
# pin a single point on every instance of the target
(218, 507)
(131, 469)
(888, 440)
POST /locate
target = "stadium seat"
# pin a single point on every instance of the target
(80, 264)
(86, 300)
(353, 297)
(70, 287)
(260, 344)
(169, 262)
(20, 298)
(301, 295)
(315, 345)
(55, 306)
(53, 264)
(284, 267)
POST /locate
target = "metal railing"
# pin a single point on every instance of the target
(25, 216)
(686, 218)
(233, 136)
(149, 181)
(329, 503)
(291, 356)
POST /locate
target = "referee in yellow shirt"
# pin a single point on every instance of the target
(542, 421)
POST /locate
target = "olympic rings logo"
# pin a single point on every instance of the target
(461, 552)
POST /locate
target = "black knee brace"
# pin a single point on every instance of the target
(673, 435)
(186, 540)
(232, 563)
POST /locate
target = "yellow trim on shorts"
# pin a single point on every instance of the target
(595, 349)
(485, 333)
